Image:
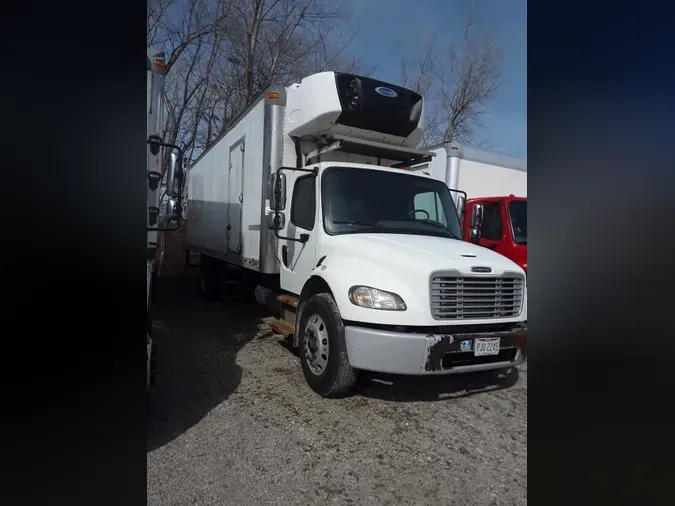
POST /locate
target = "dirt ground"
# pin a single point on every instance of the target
(232, 421)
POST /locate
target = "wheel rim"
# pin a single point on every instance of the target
(316, 344)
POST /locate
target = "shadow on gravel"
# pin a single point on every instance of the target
(435, 388)
(197, 344)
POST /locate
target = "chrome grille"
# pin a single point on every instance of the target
(455, 297)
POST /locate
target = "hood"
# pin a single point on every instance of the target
(420, 253)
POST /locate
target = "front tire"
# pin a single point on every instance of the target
(323, 350)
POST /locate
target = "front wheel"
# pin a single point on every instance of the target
(323, 351)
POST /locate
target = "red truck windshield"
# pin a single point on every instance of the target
(518, 219)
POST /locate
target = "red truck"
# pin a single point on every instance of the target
(503, 227)
(495, 213)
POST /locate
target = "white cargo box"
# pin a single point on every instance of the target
(328, 117)
(478, 172)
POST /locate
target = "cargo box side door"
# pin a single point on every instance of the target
(235, 193)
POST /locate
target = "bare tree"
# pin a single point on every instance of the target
(470, 82)
(420, 75)
(457, 87)
(221, 54)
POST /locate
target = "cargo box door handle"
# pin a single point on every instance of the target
(241, 197)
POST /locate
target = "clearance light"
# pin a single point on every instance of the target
(160, 64)
(273, 96)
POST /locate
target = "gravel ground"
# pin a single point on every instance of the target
(232, 421)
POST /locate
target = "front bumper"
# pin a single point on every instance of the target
(391, 352)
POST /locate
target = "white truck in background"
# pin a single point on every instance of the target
(496, 186)
(305, 195)
(478, 172)
(174, 177)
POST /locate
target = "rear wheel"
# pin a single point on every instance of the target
(323, 351)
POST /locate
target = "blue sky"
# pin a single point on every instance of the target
(410, 23)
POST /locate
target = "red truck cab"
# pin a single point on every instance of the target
(498, 223)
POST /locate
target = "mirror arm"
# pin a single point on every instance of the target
(155, 141)
(167, 229)
(303, 237)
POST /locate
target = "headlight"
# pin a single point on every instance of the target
(372, 298)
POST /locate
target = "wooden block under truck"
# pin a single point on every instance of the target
(307, 194)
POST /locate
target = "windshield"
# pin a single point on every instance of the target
(518, 218)
(373, 201)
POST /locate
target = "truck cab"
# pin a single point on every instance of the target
(376, 255)
(503, 227)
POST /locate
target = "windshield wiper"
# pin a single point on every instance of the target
(358, 222)
(439, 225)
(452, 235)
(434, 223)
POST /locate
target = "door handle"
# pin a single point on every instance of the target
(284, 255)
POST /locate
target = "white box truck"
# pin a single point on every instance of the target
(307, 194)
(496, 186)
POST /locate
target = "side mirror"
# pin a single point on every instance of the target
(174, 174)
(276, 190)
(476, 222)
(174, 189)
(276, 221)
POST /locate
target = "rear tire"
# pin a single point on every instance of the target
(322, 348)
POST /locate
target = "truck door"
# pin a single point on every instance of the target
(235, 196)
(493, 231)
(297, 259)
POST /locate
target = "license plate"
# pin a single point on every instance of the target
(486, 346)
